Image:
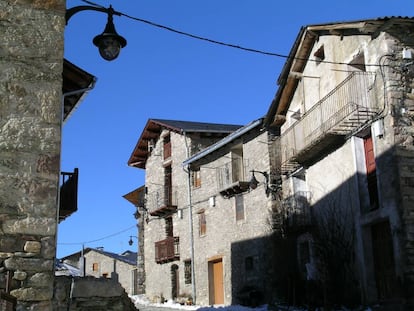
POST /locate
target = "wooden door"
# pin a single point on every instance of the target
(216, 282)
(383, 253)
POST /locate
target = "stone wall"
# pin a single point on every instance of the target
(109, 267)
(89, 293)
(31, 62)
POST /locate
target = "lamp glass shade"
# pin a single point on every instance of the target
(109, 42)
(253, 182)
(109, 48)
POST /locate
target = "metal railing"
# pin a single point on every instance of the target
(167, 250)
(347, 107)
(231, 172)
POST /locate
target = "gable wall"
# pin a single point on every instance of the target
(30, 93)
(343, 168)
(118, 270)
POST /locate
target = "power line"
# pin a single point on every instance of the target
(187, 34)
(100, 239)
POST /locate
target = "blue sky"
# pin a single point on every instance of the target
(161, 74)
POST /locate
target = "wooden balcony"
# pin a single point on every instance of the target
(232, 178)
(342, 112)
(167, 250)
(162, 201)
(68, 203)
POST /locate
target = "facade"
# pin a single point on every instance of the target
(207, 241)
(232, 195)
(31, 96)
(99, 263)
(344, 110)
(164, 220)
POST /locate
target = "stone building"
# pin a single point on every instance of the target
(207, 241)
(344, 109)
(32, 100)
(164, 221)
(232, 195)
(99, 263)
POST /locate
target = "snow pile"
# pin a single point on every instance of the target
(141, 300)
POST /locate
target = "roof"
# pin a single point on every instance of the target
(136, 197)
(153, 128)
(62, 268)
(221, 143)
(300, 52)
(76, 82)
(128, 257)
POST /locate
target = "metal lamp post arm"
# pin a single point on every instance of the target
(72, 11)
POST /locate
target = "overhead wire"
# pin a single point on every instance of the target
(100, 239)
(187, 34)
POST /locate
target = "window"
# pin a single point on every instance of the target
(196, 178)
(95, 266)
(239, 207)
(237, 164)
(167, 147)
(202, 224)
(358, 62)
(187, 272)
(169, 229)
(168, 186)
(319, 55)
(105, 275)
(371, 172)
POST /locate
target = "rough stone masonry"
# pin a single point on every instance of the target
(31, 61)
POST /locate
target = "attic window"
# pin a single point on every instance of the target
(319, 55)
(358, 62)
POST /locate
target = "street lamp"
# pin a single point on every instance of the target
(269, 188)
(109, 42)
(130, 242)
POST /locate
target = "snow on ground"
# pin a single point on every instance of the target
(142, 300)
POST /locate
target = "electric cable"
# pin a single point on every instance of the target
(247, 49)
(100, 239)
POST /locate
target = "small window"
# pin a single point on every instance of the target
(187, 272)
(196, 178)
(239, 207)
(319, 55)
(169, 228)
(95, 266)
(167, 147)
(202, 223)
(105, 275)
(358, 62)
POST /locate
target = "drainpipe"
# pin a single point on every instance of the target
(190, 222)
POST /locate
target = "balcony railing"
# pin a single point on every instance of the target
(341, 112)
(232, 177)
(167, 250)
(162, 201)
(298, 212)
(68, 203)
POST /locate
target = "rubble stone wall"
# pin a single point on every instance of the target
(89, 293)
(31, 62)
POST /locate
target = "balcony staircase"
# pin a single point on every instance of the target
(341, 113)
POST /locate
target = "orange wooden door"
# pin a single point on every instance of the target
(217, 291)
